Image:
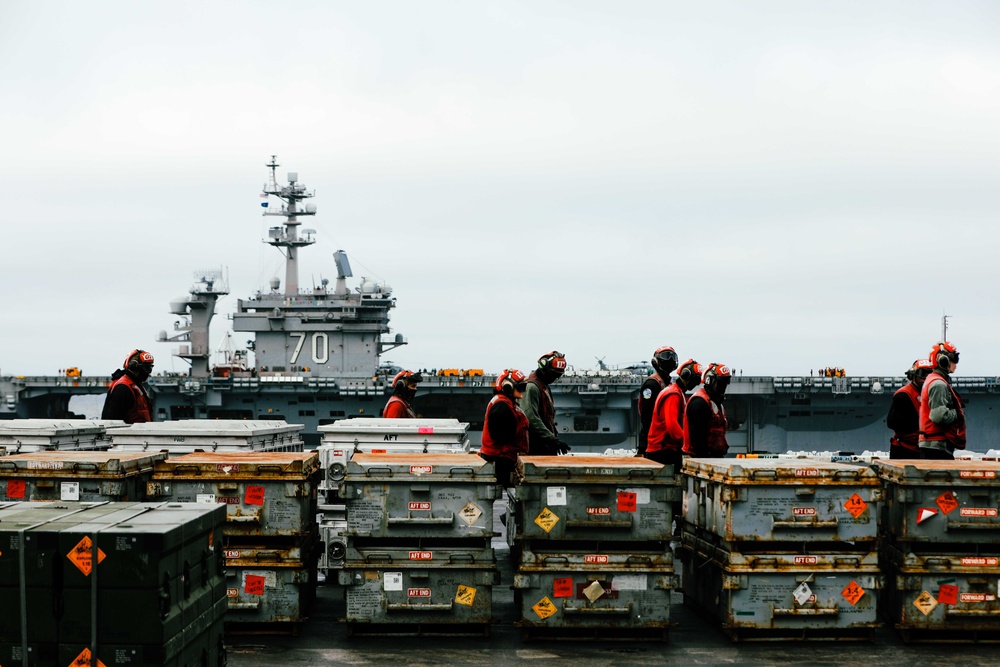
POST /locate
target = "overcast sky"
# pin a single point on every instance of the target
(779, 186)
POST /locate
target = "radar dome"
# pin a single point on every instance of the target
(310, 208)
(275, 284)
(368, 286)
(178, 306)
(385, 288)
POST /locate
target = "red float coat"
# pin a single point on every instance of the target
(397, 408)
(508, 449)
(716, 444)
(141, 411)
(908, 440)
(953, 433)
(666, 431)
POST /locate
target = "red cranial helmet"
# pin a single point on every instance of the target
(510, 380)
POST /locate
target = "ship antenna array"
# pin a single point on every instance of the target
(944, 327)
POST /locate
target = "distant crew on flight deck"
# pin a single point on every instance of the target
(904, 413)
(539, 407)
(664, 362)
(404, 388)
(127, 399)
(942, 419)
(705, 417)
(666, 431)
(505, 428)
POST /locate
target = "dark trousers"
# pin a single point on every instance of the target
(928, 453)
(900, 452)
(667, 457)
(504, 469)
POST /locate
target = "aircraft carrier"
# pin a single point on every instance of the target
(316, 356)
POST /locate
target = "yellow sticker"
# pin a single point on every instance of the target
(544, 608)
(82, 556)
(925, 602)
(466, 595)
(546, 519)
(83, 660)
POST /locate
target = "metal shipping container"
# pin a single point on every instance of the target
(76, 475)
(35, 435)
(420, 495)
(774, 500)
(942, 501)
(210, 435)
(783, 594)
(592, 498)
(269, 594)
(936, 596)
(266, 494)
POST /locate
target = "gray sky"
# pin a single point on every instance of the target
(778, 186)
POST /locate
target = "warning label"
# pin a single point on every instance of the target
(254, 495)
(16, 489)
(83, 660)
(546, 519)
(978, 511)
(562, 588)
(465, 595)
(947, 502)
(856, 505)
(421, 470)
(947, 594)
(925, 602)
(544, 608)
(852, 593)
(470, 513)
(82, 556)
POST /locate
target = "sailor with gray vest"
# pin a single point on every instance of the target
(664, 362)
(127, 399)
(539, 407)
(942, 419)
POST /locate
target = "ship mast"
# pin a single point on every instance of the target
(944, 327)
(286, 236)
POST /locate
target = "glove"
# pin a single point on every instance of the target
(562, 447)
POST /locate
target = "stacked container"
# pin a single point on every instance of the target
(77, 475)
(270, 536)
(208, 435)
(137, 584)
(418, 554)
(782, 549)
(941, 549)
(346, 437)
(36, 435)
(590, 538)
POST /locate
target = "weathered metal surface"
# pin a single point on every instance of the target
(333, 546)
(428, 595)
(426, 554)
(211, 435)
(266, 494)
(543, 556)
(611, 596)
(35, 435)
(942, 501)
(420, 495)
(303, 553)
(777, 557)
(772, 500)
(591, 498)
(76, 475)
(835, 593)
(943, 592)
(269, 595)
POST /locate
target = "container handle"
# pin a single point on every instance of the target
(7, 465)
(936, 473)
(405, 606)
(461, 558)
(82, 465)
(972, 525)
(596, 611)
(639, 560)
(940, 562)
(606, 523)
(421, 520)
(387, 471)
(852, 474)
(813, 525)
(975, 613)
(554, 559)
(190, 468)
(765, 472)
(464, 470)
(378, 557)
(806, 611)
(270, 467)
(268, 555)
(557, 472)
(642, 472)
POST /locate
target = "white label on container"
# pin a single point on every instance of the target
(978, 511)
(44, 465)
(803, 593)
(641, 495)
(393, 581)
(556, 495)
(205, 498)
(69, 491)
(629, 582)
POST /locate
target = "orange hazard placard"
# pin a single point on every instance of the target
(82, 556)
(83, 660)
(852, 593)
(947, 502)
(254, 495)
(856, 505)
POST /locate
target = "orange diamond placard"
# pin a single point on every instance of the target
(856, 505)
(947, 502)
(82, 556)
(83, 660)
(852, 593)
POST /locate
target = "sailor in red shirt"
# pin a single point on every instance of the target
(705, 417)
(664, 362)
(904, 413)
(404, 388)
(127, 399)
(666, 431)
(942, 415)
(505, 428)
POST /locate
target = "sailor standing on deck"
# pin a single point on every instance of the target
(942, 419)
(127, 399)
(705, 418)
(664, 362)
(539, 407)
(505, 428)
(404, 388)
(666, 432)
(904, 413)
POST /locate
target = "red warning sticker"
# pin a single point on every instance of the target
(852, 593)
(925, 513)
(856, 505)
(254, 495)
(254, 584)
(626, 501)
(425, 429)
(947, 594)
(16, 489)
(562, 588)
(947, 502)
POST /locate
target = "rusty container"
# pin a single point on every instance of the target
(419, 496)
(942, 502)
(267, 494)
(591, 498)
(77, 475)
(185, 436)
(777, 500)
(270, 595)
(783, 594)
(942, 596)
